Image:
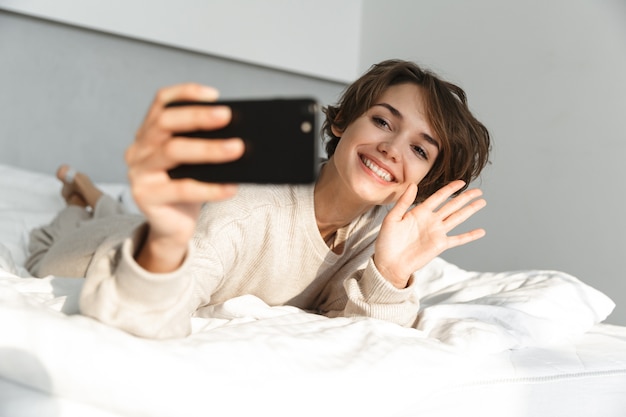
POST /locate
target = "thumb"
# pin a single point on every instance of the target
(404, 202)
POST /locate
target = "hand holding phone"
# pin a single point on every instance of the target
(279, 137)
(171, 208)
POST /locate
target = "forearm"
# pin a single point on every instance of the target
(369, 294)
(160, 255)
(120, 293)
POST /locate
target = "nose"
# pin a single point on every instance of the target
(390, 149)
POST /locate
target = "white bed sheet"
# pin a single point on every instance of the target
(525, 343)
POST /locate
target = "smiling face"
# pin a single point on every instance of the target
(387, 148)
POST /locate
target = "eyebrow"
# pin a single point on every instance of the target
(399, 115)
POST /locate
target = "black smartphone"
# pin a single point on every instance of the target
(280, 142)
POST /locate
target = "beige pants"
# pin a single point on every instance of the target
(66, 246)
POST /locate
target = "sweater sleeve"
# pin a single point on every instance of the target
(369, 294)
(118, 292)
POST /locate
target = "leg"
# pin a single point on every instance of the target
(78, 189)
(64, 246)
(42, 239)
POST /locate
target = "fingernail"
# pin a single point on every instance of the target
(209, 93)
(234, 145)
(229, 189)
(222, 112)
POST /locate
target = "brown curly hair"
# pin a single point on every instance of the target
(465, 142)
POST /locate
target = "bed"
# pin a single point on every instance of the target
(516, 343)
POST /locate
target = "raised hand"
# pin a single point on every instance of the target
(411, 237)
(172, 206)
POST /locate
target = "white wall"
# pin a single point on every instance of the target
(548, 79)
(318, 38)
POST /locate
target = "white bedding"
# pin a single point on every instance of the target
(515, 344)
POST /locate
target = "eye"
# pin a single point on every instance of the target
(419, 151)
(380, 122)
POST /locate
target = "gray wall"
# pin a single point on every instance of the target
(548, 78)
(77, 96)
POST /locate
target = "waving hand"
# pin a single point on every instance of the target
(411, 237)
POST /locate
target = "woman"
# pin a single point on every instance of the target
(346, 245)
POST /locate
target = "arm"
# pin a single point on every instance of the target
(408, 240)
(369, 294)
(171, 206)
(120, 293)
(144, 284)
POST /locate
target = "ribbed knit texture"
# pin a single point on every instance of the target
(264, 242)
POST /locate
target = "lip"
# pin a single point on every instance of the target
(381, 165)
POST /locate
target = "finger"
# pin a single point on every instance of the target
(194, 151)
(212, 151)
(185, 151)
(464, 238)
(404, 203)
(441, 195)
(150, 137)
(459, 201)
(183, 191)
(171, 121)
(464, 213)
(192, 118)
(182, 92)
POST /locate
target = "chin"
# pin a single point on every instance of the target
(377, 199)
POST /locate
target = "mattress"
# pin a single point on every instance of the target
(514, 343)
(584, 378)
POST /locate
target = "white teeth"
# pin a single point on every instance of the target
(377, 170)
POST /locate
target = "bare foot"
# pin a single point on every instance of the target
(77, 188)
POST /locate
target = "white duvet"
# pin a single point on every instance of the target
(252, 359)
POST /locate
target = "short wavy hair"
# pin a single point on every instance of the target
(465, 141)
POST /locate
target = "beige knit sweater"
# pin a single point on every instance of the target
(263, 242)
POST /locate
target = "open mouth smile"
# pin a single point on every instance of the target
(380, 172)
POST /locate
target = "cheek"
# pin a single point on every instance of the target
(340, 148)
(418, 172)
(347, 143)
